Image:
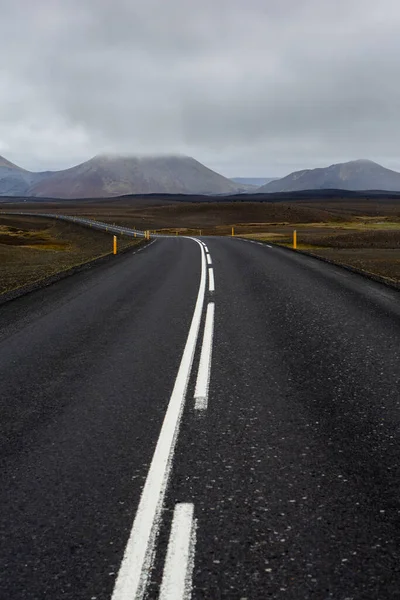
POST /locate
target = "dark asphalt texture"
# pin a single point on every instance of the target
(293, 470)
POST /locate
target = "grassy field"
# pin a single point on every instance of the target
(32, 248)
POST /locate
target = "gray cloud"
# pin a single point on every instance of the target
(259, 87)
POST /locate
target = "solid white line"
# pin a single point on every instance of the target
(178, 569)
(139, 552)
(209, 261)
(211, 282)
(204, 372)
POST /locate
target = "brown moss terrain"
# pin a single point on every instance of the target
(382, 262)
(213, 218)
(375, 251)
(358, 239)
(32, 248)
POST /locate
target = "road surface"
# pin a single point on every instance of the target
(213, 419)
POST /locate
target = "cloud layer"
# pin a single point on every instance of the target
(260, 87)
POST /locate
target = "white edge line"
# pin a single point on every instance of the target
(211, 282)
(178, 569)
(140, 549)
(204, 372)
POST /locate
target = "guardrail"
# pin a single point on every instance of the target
(99, 225)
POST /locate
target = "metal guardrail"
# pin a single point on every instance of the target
(99, 225)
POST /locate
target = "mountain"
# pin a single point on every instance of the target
(353, 175)
(254, 181)
(106, 175)
(15, 181)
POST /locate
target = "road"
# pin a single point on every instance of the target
(213, 418)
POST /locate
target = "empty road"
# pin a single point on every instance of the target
(206, 418)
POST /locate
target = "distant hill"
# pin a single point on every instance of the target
(105, 176)
(254, 181)
(353, 175)
(15, 181)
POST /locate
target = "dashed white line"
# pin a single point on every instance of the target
(178, 569)
(209, 261)
(144, 247)
(211, 282)
(139, 552)
(268, 246)
(204, 372)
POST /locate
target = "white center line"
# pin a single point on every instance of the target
(178, 569)
(204, 372)
(139, 552)
(211, 282)
(209, 261)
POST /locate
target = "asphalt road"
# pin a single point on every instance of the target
(216, 422)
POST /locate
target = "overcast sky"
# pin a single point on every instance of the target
(248, 87)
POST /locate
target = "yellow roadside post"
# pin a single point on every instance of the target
(233, 231)
(115, 245)
(294, 239)
(134, 235)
